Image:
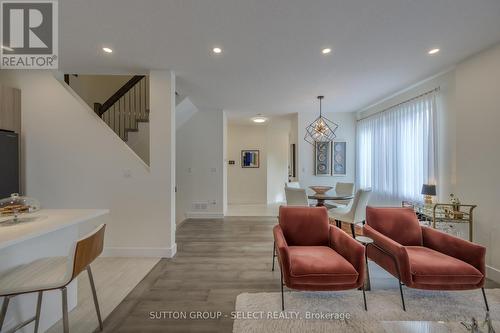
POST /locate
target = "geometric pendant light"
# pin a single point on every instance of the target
(322, 129)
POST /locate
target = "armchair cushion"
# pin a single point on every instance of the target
(431, 267)
(304, 226)
(320, 264)
(399, 224)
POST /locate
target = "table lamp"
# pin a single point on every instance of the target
(428, 191)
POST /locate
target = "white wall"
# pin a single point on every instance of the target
(246, 185)
(478, 153)
(139, 141)
(72, 159)
(345, 132)
(199, 176)
(278, 150)
(468, 118)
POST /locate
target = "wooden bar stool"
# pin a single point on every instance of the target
(52, 273)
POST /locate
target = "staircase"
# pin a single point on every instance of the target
(127, 107)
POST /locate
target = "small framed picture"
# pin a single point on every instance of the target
(250, 159)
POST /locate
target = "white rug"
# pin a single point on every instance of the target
(260, 312)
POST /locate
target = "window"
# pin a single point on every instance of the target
(396, 150)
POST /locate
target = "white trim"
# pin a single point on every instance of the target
(204, 215)
(146, 252)
(493, 273)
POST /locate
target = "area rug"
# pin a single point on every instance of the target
(344, 312)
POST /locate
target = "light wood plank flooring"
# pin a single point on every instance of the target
(216, 261)
(114, 279)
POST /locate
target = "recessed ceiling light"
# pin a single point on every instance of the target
(217, 50)
(433, 51)
(326, 51)
(259, 119)
(7, 48)
(107, 50)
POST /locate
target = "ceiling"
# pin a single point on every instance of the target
(271, 61)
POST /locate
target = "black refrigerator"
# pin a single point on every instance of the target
(9, 163)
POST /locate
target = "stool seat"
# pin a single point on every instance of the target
(38, 275)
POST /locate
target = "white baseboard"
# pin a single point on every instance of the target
(493, 273)
(146, 252)
(204, 215)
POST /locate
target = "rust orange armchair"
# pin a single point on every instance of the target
(314, 255)
(422, 257)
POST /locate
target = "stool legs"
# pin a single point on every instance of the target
(38, 310)
(64, 294)
(5, 305)
(94, 294)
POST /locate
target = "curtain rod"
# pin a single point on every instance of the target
(404, 102)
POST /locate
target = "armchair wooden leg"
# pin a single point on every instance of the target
(3, 313)
(274, 253)
(94, 294)
(485, 300)
(38, 310)
(282, 295)
(64, 294)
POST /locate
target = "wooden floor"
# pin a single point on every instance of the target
(216, 261)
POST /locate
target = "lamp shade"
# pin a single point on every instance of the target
(428, 189)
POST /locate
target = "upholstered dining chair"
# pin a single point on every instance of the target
(343, 188)
(354, 213)
(316, 256)
(421, 257)
(50, 274)
(296, 197)
(292, 184)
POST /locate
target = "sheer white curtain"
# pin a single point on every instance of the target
(396, 150)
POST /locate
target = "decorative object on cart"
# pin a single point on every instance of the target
(321, 129)
(455, 201)
(322, 158)
(17, 205)
(442, 216)
(339, 158)
(250, 159)
(428, 190)
(320, 189)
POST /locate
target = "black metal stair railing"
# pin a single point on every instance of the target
(126, 108)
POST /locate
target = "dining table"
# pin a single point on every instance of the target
(330, 195)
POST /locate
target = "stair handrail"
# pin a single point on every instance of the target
(101, 108)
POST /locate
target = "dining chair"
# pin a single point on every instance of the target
(296, 197)
(50, 274)
(292, 184)
(343, 189)
(353, 213)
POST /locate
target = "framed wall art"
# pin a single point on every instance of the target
(250, 159)
(322, 158)
(339, 158)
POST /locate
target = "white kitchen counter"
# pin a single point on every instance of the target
(52, 234)
(49, 220)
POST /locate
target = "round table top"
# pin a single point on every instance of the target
(330, 195)
(364, 239)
